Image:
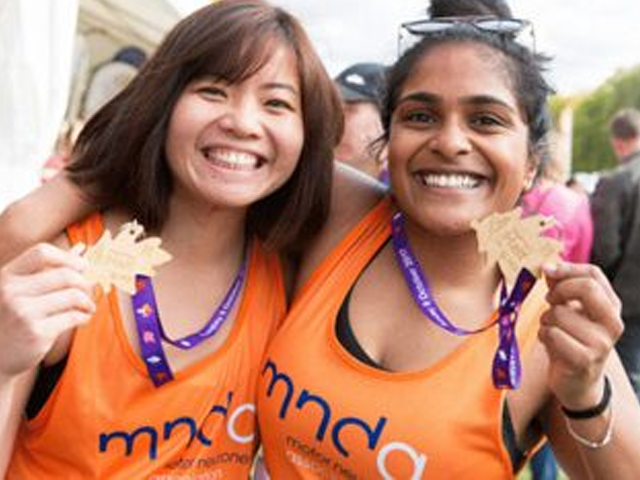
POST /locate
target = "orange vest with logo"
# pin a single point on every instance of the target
(105, 418)
(324, 414)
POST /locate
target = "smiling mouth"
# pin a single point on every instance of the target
(232, 159)
(460, 181)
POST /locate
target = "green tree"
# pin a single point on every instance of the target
(591, 149)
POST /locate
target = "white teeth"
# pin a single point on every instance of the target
(450, 180)
(231, 159)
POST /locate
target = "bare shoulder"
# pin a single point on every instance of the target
(354, 195)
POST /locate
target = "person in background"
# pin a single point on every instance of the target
(361, 88)
(570, 209)
(111, 77)
(575, 184)
(615, 206)
(221, 146)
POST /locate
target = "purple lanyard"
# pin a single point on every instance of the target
(151, 334)
(507, 369)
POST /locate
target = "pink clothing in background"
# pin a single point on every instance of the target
(573, 217)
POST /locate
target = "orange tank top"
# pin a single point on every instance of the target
(105, 419)
(324, 414)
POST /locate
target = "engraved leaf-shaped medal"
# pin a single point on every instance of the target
(516, 242)
(117, 261)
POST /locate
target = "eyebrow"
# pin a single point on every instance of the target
(478, 100)
(267, 86)
(280, 86)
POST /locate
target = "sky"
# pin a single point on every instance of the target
(589, 40)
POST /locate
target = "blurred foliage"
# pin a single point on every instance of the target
(591, 148)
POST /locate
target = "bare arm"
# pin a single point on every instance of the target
(40, 216)
(619, 459)
(353, 195)
(578, 333)
(14, 392)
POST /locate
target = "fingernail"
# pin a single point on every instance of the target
(550, 268)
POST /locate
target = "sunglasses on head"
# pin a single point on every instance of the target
(514, 29)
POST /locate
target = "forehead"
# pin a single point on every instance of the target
(462, 69)
(280, 61)
(246, 59)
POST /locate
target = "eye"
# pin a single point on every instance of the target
(487, 121)
(420, 116)
(280, 104)
(417, 117)
(210, 90)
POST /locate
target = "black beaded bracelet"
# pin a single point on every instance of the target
(595, 410)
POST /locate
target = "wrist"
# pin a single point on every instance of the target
(593, 408)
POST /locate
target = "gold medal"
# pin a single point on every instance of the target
(515, 242)
(117, 261)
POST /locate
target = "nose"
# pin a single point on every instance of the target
(241, 120)
(450, 140)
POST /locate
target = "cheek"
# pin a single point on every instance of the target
(291, 142)
(177, 130)
(401, 147)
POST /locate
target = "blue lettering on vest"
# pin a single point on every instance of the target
(305, 397)
(275, 378)
(372, 436)
(129, 440)
(195, 432)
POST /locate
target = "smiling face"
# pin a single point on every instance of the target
(458, 144)
(230, 145)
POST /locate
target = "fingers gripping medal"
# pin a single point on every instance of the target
(518, 246)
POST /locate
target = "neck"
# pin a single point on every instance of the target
(203, 236)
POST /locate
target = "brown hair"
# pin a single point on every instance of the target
(625, 124)
(120, 155)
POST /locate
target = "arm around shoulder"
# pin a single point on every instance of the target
(354, 194)
(40, 216)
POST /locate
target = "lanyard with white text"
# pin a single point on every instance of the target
(506, 370)
(151, 334)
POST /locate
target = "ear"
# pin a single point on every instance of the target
(532, 171)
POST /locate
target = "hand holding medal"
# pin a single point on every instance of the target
(43, 294)
(579, 331)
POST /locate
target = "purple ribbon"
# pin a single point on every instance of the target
(507, 369)
(151, 334)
